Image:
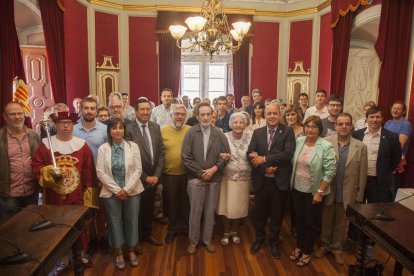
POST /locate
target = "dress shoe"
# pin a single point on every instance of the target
(339, 258)
(170, 237)
(191, 249)
(275, 252)
(138, 249)
(152, 240)
(210, 248)
(256, 247)
(321, 252)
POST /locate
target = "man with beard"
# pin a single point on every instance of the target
(88, 128)
(18, 143)
(95, 134)
(174, 177)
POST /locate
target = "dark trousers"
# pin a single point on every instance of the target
(7, 204)
(375, 193)
(308, 220)
(146, 212)
(176, 202)
(395, 184)
(269, 201)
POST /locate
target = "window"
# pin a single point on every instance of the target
(205, 79)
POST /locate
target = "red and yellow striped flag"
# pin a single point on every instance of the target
(21, 95)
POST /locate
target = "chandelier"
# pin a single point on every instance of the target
(210, 32)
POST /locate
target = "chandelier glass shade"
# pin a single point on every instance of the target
(210, 32)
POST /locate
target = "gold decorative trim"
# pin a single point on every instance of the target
(324, 5)
(253, 12)
(348, 9)
(60, 5)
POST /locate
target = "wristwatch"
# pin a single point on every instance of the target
(321, 192)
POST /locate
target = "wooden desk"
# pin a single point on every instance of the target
(395, 237)
(46, 246)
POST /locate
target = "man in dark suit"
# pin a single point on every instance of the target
(384, 154)
(270, 153)
(148, 137)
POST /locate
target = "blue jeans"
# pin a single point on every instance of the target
(8, 204)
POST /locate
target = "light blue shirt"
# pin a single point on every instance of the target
(118, 163)
(94, 137)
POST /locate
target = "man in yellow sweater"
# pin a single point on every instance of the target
(174, 177)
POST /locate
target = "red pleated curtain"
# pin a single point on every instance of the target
(52, 12)
(11, 64)
(392, 46)
(342, 12)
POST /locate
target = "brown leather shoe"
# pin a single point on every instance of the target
(191, 249)
(321, 252)
(339, 258)
(210, 248)
(152, 240)
(138, 249)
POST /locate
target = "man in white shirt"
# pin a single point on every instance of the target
(319, 109)
(161, 114)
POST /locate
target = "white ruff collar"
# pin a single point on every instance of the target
(64, 147)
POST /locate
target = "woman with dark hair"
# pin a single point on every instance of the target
(257, 119)
(119, 169)
(314, 167)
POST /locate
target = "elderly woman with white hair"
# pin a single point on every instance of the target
(233, 201)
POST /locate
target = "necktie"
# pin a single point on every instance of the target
(270, 140)
(146, 141)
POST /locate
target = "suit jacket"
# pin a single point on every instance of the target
(279, 155)
(355, 176)
(133, 170)
(134, 133)
(389, 155)
(322, 166)
(193, 152)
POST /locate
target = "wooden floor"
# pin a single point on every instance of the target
(172, 259)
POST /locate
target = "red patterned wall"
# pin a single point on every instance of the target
(143, 61)
(76, 50)
(300, 46)
(325, 53)
(106, 37)
(265, 58)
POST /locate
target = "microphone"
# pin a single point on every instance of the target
(38, 225)
(16, 257)
(381, 215)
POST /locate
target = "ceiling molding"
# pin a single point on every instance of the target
(254, 12)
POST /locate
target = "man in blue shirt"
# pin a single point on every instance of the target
(95, 134)
(88, 128)
(404, 129)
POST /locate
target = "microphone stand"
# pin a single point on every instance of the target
(381, 215)
(38, 225)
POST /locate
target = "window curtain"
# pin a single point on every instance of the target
(342, 13)
(11, 64)
(392, 46)
(169, 55)
(169, 63)
(241, 60)
(53, 28)
(241, 71)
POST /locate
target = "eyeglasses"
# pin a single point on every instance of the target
(343, 124)
(15, 114)
(311, 127)
(115, 107)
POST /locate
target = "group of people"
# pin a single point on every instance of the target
(208, 161)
